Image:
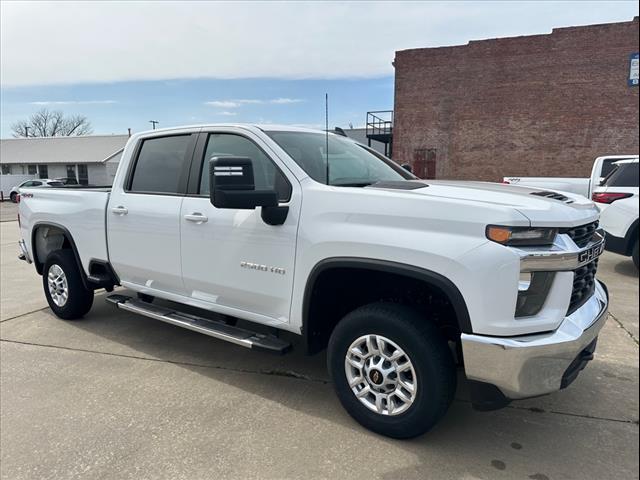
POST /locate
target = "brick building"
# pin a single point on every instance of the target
(542, 105)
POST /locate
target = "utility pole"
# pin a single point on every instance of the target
(153, 122)
(26, 132)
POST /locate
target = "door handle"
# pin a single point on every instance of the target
(120, 210)
(196, 217)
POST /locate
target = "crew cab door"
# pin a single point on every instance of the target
(231, 259)
(143, 215)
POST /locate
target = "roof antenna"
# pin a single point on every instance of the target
(326, 130)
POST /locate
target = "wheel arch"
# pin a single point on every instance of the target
(311, 324)
(42, 249)
(631, 237)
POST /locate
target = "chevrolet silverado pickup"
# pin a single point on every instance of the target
(602, 167)
(318, 242)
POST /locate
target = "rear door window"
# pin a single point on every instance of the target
(159, 164)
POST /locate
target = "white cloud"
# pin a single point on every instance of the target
(79, 42)
(223, 103)
(251, 101)
(227, 114)
(285, 101)
(73, 102)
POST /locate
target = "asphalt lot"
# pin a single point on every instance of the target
(121, 396)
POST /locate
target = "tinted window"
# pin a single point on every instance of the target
(608, 166)
(55, 184)
(266, 174)
(159, 164)
(349, 163)
(625, 175)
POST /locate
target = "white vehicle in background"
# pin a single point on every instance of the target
(602, 166)
(38, 182)
(617, 198)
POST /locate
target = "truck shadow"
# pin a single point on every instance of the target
(489, 442)
(627, 268)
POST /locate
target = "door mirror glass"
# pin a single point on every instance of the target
(232, 185)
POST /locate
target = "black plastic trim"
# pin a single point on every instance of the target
(578, 364)
(40, 264)
(274, 215)
(432, 278)
(113, 276)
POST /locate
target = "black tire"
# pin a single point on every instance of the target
(635, 255)
(427, 350)
(13, 196)
(79, 298)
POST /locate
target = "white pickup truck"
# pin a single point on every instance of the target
(335, 247)
(602, 166)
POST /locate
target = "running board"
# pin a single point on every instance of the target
(213, 328)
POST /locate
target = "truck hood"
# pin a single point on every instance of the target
(542, 207)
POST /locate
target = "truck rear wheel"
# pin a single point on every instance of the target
(392, 370)
(66, 294)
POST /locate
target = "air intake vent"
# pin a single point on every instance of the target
(553, 195)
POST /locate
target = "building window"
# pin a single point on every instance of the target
(43, 171)
(71, 171)
(6, 169)
(32, 170)
(83, 175)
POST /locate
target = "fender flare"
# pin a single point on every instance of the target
(39, 264)
(435, 279)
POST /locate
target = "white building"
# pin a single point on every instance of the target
(90, 159)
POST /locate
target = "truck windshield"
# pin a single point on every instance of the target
(350, 164)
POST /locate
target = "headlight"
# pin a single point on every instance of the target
(521, 236)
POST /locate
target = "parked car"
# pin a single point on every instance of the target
(314, 235)
(40, 182)
(68, 180)
(602, 166)
(618, 199)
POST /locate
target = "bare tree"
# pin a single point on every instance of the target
(46, 123)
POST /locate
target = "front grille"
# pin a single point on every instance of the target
(584, 284)
(583, 234)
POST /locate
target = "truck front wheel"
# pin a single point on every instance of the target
(392, 370)
(66, 294)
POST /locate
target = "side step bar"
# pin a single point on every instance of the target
(213, 328)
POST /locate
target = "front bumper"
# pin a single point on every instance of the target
(508, 368)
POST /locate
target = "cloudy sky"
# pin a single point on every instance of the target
(124, 63)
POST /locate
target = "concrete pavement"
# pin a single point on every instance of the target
(121, 396)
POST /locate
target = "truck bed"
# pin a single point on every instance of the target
(81, 211)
